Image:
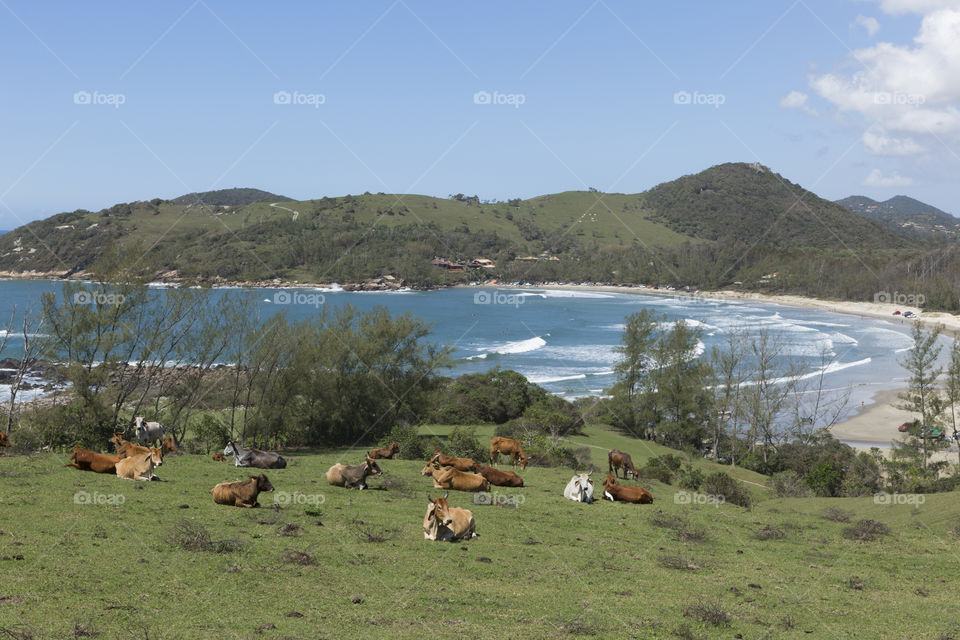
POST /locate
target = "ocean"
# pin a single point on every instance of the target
(565, 340)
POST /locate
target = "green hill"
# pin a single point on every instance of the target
(903, 212)
(229, 197)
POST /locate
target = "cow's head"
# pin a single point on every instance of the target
(429, 468)
(261, 482)
(372, 468)
(157, 456)
(230, 449)
(441, 510)
(4, 442)
(583, 487)
(394, 448)
(610, 481)
(523, 462)
(117, 440)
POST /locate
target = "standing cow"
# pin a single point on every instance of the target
(508, 447)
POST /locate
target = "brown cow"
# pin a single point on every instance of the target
(219, 457)
(170, 445)
(128, 449)
(385, 453)
(137, 467)
(507, 447)
(500, 478)
(451, 478)
(4, 442)
(443, 522)
(353, 477)
(617, 459)
(461, 464)
(87, 460)
(241, 494)
(620, 493)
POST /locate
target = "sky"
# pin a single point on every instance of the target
(107, 102)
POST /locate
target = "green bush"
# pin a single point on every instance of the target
(690, 478)
(655, 472)
(412, 445)
(721, 484)
(788, 484)
(463, 443)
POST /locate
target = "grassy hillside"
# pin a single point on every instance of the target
(899, 210)
(357, 564)
(229, 197)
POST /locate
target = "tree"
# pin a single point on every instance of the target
(679, 385)
(767, 394)
(952, 390)
(634, 367)
(728, 376)
(34, 342)
(922, 396)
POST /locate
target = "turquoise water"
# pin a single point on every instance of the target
(564, 340)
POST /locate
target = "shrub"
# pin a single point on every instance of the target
(788, 484)
(710, 613)
(658, 473)
(770, 532)
(690, 478)
(410, 442)
(463, 443)
(825, 479)
(865, 530)
(721, 484)
(836, 514)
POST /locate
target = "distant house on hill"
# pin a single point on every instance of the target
(482, 263)
(450, 266)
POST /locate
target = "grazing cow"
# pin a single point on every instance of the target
(170, 445)
(241, 494)
(451, 478)
(354, 477)
(128, 449)
(219, 457)
(507, 447)
(580, 488)
(620, 493)
(245, 457)
(87, 460)
(4, 442)
(147, 432)
(385, 453)
(138, 467)
(617, 459)
(443, 522)
(461, 464)
(500, 478)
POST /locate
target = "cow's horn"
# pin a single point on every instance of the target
(445, 495)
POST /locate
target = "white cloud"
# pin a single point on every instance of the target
(868, 23)
(904, 93)
(877, 179)
(882, 145)
(797, 100)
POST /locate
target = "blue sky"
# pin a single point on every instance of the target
(108, 102)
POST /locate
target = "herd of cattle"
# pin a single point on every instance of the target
(441, 522)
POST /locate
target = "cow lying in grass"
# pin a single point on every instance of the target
(138, 467)
(500, 478)
(4, 442)
(450, 478)
(128, 449)
(247, 457)
(169, 445)
(443, 522)
(385, 453)
(460, 464)
(219, 457)
(579, 489)
(87, 460)
(243, 493)
(353, 477)
(620, 493)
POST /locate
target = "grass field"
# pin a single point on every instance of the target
(332, 563)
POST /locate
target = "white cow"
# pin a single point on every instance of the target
(148, 433)
(580, 488)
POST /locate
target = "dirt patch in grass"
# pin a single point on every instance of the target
(770, 532)
(191, 536)
(290, 529)
(369, 533)
(677, 561)
(709, 612)
(866, 531)
(292, 556)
